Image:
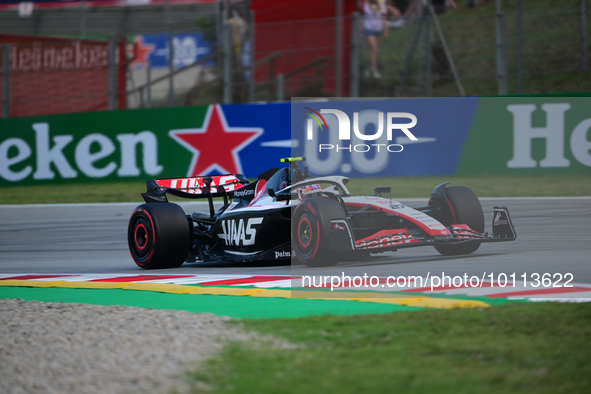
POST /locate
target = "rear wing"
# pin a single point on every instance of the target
(195, 188)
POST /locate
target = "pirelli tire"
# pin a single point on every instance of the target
(310, 231)
(466, 209)
(159, 236)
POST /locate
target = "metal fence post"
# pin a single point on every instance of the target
(228, 63)
(168, 21)
(429, 45)
(170, 68)
(280, 87)
(251, 80)
(414, 35)
(338, 48)
(355, 55)
(582, 12)
(501, 59)
(112, 73)
(148, 85)
(5, 80)
(83, 19)
(421, 55)
(519, 46)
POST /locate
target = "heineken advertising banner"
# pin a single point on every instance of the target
(143, 144)
(529, 135)
(453, 136)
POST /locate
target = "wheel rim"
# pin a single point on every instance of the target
(304, 232)
(306, 235)
(141, 238)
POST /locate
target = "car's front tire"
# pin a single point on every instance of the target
(466, 209)
(310, 231)
(159, 236)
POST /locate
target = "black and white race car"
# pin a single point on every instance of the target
(315, 221)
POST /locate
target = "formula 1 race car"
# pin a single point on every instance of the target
(315, 221)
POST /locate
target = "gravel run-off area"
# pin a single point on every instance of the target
(50, 347)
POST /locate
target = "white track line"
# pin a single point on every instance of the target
(286, 282)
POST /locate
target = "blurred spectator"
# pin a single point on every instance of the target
(239, 29)
(440, 6)
(395, 12)
(240, 40)
(374, 27)
(412, 9)
(391, 8)
(401, 5)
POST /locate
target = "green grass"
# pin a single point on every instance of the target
(408, 187)
(525, 348)
(73, 193)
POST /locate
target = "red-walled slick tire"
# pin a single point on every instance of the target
(159, 236)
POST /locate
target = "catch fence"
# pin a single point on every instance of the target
(202, 58)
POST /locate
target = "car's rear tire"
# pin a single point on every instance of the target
(466, 209)
(310, 231)
(159, 236)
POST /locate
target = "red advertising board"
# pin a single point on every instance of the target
(305, 33)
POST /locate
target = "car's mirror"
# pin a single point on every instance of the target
(283, 196)
(382, 190)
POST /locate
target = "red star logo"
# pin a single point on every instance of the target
(142, 52)
(215, 146)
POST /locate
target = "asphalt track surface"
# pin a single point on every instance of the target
(553, 236)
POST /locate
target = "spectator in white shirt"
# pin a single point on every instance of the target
(374, 27)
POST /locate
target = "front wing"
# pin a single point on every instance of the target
(342, 237)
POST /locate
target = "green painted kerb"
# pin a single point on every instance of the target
(240, 307)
